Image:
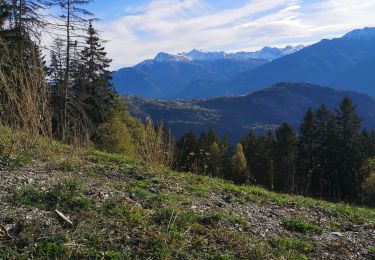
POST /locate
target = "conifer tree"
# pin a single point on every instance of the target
(348, 125)
(94, 87)
(307, 146)
(71, 119)
(214, 163)
(323, 181)
(285, 158)
(239, 166)
(367, 143)
(249, 145)
(187, 151)
(270, 140)
(225, 159)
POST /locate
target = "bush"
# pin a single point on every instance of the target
(113, 136)
(157, 145)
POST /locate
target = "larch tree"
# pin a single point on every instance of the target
(239, 166)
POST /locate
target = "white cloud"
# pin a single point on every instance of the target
(180, 25)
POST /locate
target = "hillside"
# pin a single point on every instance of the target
(123, 208)
(343, 63)
(261, 110)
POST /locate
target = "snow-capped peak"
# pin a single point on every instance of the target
(267, 53)
(201, 55)
(162, 57)
(360, 34)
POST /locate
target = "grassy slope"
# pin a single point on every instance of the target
(122, 208)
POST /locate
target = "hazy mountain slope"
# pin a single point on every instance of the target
(174, 76)
(361, 75)
(160, 79)
(323, 63)
(267, 108)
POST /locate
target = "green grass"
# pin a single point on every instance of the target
(67, 195)
(292, 248)
(200, 189)
(301, 226)
(68, 165)
(133, 215)
(151, 212)
(213, 219)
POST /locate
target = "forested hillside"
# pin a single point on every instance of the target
(260, 111)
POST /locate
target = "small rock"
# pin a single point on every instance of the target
(338, 234)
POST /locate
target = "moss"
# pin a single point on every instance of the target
(301, 226)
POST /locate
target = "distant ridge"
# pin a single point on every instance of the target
(260, 110)
(170, 76)
(342, 63)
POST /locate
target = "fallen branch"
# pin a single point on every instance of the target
(3, 233)
(63, 217)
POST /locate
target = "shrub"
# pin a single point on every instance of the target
(157, 145)
(114, 136)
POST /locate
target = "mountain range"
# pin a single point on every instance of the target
(169, 76)
(261, 110)
(343, 63)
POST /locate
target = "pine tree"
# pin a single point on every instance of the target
(211, 137)
(307, 147)
(187, 152)
(270, 140)
(71, 119)
(323, 182)
(214, 163)
(239, 166)
(348, 125)
(249, 144)
(367, 143)
(285, 158)
(226, 155)
(94, 88)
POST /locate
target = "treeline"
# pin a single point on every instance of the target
(328, 158)
(67, 95)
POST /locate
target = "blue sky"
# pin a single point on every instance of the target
(139, 29)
